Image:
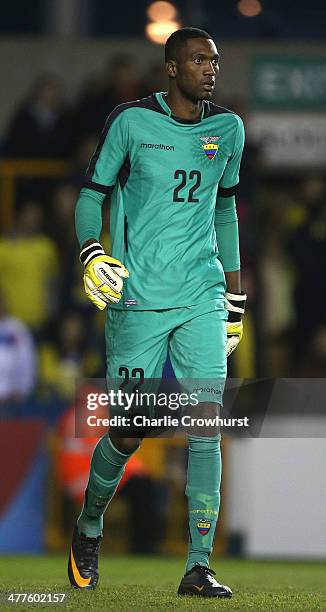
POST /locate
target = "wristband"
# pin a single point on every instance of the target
(88, 253)
(235, 304)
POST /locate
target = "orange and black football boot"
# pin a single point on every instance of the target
(83, 561)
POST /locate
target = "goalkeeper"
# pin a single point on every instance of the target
(170, 163)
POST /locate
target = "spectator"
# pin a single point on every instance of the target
(312, 361)
(82, 154)
(64, 199)
(307, 249)
(117, 84)
(17, 358)
(276, 301)
(40, 127)
(155, 79)
(136, 486)
(29, 267)
(66, 357)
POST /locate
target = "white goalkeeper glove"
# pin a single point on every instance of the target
(235, 303)
(103, 276)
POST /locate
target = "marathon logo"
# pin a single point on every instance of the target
(148, 145)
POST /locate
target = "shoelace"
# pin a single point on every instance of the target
(204, 569)
(208, 571)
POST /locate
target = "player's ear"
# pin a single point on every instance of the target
(171, 67)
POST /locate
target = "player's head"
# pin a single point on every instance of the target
(192, 62)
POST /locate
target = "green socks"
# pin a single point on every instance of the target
(203, 492)
(107, 467)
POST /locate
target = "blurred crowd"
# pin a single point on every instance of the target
(40, 251)
(282, 227)
(50, 334)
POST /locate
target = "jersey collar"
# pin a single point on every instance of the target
(161, 98)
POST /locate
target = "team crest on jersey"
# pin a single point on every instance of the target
(204, 527)
(210, 145)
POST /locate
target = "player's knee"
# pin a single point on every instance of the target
(203, 420)
(125, 445)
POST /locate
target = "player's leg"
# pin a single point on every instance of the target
(135, 340)
(197, 350)
(106, 470)
(137, 344)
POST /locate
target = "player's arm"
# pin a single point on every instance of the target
(103, 275)
(227, 236)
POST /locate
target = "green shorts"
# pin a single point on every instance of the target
(139, 341)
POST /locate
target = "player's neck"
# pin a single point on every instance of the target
(182, 107)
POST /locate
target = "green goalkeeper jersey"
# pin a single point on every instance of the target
(164, 176)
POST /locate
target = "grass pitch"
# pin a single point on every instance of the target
(150, 583)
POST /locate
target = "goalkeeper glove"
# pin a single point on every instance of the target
(103, 276)
(235, 303)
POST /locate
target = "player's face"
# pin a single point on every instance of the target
(196, 69)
